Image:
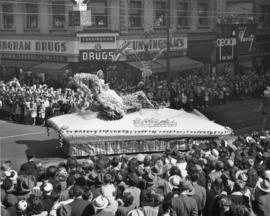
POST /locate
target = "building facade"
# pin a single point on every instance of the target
(50, 35)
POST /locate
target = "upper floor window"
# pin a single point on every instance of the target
(8, 19)
(99, 12)
(58, 14)
(32, 16)
(160, 13)
(265, 16)
(203, 14)
(182, 13)
(135, 13)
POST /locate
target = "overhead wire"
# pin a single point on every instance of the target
(134, 8)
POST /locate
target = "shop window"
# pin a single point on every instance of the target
(32, 16)
(135, 13)
(182, 13)
(265, 16)
(99, 13)
(203, 14)
(160, 13)
(8, 18)
(58, 14)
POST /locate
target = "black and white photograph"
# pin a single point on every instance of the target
(135, 107)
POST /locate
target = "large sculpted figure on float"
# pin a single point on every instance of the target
(109, 104)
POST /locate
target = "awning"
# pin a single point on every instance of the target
(176, 64)
(49, 67)
(19, 64)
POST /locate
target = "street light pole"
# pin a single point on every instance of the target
(168, 40)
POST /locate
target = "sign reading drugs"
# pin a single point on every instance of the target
(96, 55)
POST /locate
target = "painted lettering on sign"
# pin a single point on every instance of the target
(176, 43)
(47, 46)
(245, 38)
(102, 55)
(34, 57)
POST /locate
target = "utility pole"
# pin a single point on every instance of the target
(168, 39)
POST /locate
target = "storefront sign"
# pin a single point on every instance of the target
(34, 57)
(95, 39)
(225, 49)
(246, 39)
(96, 55)
(245, 35)
(38, 50)
(137, 45)
(141, 55)
(38, 46)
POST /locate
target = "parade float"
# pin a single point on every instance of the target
(129, 124)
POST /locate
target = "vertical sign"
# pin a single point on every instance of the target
(225, 49)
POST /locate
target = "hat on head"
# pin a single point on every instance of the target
(47, 187)
(7, 185)
(133, 178)
(150, 178)
(157, 170)
(63, 210)
(140, 157)
(100, 202)
(264, 186)
(23, 187)
(175, 181)
(186, 185)
(22, 205)
(215, 152)
(241, 176)
(29, 153)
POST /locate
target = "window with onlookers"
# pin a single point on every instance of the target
(182, 13)
(58, 13)
(203, 14)
(160, 13)
(32, 16)
(8, 18)
(135, 13)
(99, 13)
(265, 16)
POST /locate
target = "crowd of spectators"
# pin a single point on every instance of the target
(33, 104)
(218, 178)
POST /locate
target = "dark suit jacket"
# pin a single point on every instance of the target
(263, 205)
(184, 206)
(78, 207)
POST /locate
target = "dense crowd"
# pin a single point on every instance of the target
(33, 104)
(218, 178)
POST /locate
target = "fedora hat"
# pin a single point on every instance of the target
(264, 186)
(100, 202)
(186, 185)
(175, 181)
(156, 170)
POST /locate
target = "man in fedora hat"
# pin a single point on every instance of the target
(262, 207)
(79, 206)
(184, 204)
(100, 205)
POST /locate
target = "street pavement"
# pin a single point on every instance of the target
(16, 138)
